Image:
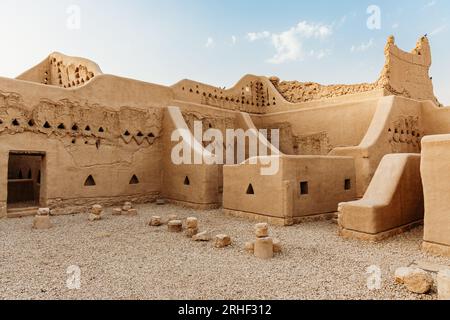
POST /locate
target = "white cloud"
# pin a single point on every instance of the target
(233, 40)
(430, 4)
(210, 43)
(363, 47)
(289, 45)
(253, 36)
(438, 30)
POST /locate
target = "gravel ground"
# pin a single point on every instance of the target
(123, 258)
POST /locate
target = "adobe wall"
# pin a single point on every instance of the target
(435, 169)
(279, 198)
(81, 139)
(318, 130)
(397, 127)
(63, 71)
(407, 74)
(392, 203)
(404, 74)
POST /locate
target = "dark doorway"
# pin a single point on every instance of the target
(24, 179)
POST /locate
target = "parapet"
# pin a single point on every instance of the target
(63, 71)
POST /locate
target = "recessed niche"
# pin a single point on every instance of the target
(20, 175)
(304, 188)
(187, 182)
(348, 184)
(140, 134)
(101, 130)
(30, 175)
(74, 127)
(134, 180)
(151, 135)
(250, 189)
(47, 125)
(87, 128)
(15, 123)
(62, 126)
(90, 182)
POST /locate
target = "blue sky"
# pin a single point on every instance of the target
(218, 41)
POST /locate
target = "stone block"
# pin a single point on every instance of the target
(192, 223)
(203, 236)
(222, 241)
(43, 212)
(117, 212)
(443, 284)
(264, 248)
(155, 221)
(418, 281)
(97, 209)
(190, 232)
(175, 226)
(277, 247)
(42, 222)
(250, 246)
(262, 230)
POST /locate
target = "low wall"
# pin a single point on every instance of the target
(435, 170)
(392, 202)
(303, 187)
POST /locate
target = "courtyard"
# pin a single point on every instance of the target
(122, 257)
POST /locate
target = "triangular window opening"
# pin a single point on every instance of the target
(134, 180)
(187, 182)
(250, 189)
(90, 182)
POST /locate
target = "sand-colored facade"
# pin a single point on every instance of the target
(88, 137)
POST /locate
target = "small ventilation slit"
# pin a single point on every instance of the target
(151, 135)
(134, 180)
(101, 130)
(250, 189)
(90, 182)
(187, 182)
(62, 126)
(127, 133)
(47, 125)
(140, 134)
(15, 123)
(30, 175)
(20, 175)
(74, 127)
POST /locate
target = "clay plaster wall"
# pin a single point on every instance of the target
(109, 129)
(435, 169)
(393, 200)
(318, 130)
(397, 127)
(63, 71)
(325, 181)
(404, 74)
